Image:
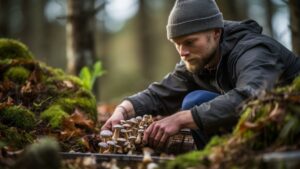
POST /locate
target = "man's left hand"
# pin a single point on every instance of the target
(157, 134)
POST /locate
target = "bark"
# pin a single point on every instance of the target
(80, 30)
(4, 19)
(145, 41)
(233, 9)
(269, 17)
(295, 25)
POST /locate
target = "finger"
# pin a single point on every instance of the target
(146, 134)
(153, 135)
(158, 137)
(163, 140)
(106, 126)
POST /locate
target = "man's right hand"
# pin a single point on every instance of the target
(114, 119)
(125, 108)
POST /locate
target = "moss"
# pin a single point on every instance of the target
(15, 138)
(84, 104)
(17, 74)
(185, 161)
(42, 154)
(17, 116)
(13, 49)
(196, 157)
(296, 84)
(54, 115)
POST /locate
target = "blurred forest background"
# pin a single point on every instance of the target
(127, 36)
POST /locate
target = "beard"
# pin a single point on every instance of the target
(198, 64)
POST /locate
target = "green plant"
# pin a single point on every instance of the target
(88, 76)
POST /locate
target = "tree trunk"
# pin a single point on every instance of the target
(80, 30)
(233, 9)
(146, 44)
(270, 12)
(4, 19)
(295, 25)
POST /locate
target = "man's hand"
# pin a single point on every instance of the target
(158, 132)
(123, 111)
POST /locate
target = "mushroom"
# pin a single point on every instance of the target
(138, 118)
(114, 164)
(111, 145)
(152, 166)
(126, 147)
(126, 126)
(131, 146)
(103, 146)
(139, 136)
(117, 129)
(147, 155)
(124, 133)
(105, 135)
(118, 149)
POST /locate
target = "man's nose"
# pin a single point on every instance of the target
(183, 52)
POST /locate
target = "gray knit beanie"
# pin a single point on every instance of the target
(191, 16)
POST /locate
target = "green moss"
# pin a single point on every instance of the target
(296, 84)
(196, 157)
(42, 154)
(13, 49)
(17, 116)
(17, 74)
(54, 115)
(84, 104)
(15, 138)
(244, 117)
(185, 161)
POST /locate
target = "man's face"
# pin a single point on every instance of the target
(198, 50)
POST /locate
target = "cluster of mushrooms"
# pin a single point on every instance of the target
(126, 137)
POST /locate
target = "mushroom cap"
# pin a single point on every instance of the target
(117, 126)
(140, 130)
(133, 121)
(124, 131)
(105, 133)
(146, 116)
(138, 118)
(121, 141)
(132, 138)
(112, 143)
(103, 144)
(148, 150)
(126, 125)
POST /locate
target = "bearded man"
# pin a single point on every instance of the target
(222, 64)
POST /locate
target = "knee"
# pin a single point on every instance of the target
(197, 97)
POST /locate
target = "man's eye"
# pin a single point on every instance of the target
(188, 43)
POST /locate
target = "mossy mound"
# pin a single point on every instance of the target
(13, 49)
(269, 123)
(17, 74)
(17, 116)
(38, 98)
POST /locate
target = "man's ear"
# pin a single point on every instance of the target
(217, 33)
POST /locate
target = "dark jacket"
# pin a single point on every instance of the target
(251, 62)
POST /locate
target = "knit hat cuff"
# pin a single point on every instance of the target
(193, 26)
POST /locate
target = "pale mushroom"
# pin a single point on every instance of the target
(117, 129)
(125, 133)
(147, 155)
(111, 145)
(139, 136)
(103, 146)
(105, 135)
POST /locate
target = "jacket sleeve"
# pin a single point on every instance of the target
(257, 69)
(165, 97)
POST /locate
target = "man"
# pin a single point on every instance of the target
(222, 64)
